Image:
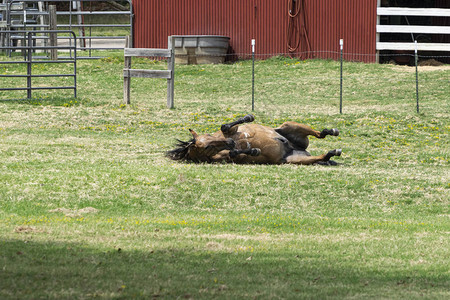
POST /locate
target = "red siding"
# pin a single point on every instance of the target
(321, 23)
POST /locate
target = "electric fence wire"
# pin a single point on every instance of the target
(264, 81)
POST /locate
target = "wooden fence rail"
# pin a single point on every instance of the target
(164, 74)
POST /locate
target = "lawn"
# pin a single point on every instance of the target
(91, 208)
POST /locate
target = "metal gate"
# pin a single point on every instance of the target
(32, 52)
(96, 29)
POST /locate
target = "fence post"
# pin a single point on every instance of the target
(29, 63)
(25, 36)
(417, 76)
(171, 68)
(253, 74)
(53, 36)
(341, 43)
(74, 64)
(127, 79)
(166, 74)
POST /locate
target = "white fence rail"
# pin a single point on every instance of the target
(413, 29)
(405, 11)
(411, 46)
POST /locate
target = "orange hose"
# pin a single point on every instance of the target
(291, 25)
(293, 28)
(291, 4)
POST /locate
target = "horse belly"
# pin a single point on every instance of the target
(271, 144)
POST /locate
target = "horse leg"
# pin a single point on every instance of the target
(229, 155)
(251, 152)
(298, 133)
(309, 160)
(227, 127)
(294, 128)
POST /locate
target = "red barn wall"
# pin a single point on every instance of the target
(318, 27)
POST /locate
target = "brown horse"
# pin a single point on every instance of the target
(254, 144)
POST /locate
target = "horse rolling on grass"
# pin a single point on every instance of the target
(242, 143)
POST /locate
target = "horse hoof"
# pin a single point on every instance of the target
(233, 153)
(334, 132)
(335, 152)
(225, 128)
(248, 118)
(255, 152)
(326, 132)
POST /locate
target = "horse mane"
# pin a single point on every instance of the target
(182, 150)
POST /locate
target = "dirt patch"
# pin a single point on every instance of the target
(429, 65)
(28, 229)
(88, 210)
(74, 212)
(434, 68)
(258, 237)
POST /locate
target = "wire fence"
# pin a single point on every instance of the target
(278, 82)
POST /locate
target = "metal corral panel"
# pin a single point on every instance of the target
(313, 33)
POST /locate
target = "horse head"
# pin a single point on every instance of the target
(201, 148)
(205, 146)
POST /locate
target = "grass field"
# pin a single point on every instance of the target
(91, 208)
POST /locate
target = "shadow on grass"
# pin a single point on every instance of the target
(33, 270)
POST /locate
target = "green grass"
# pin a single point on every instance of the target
(91, 208)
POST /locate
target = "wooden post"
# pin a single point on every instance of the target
(53, 36)
(80, 20)
(130, 52)
(25, 38)
(126, 77)
(171, 68)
